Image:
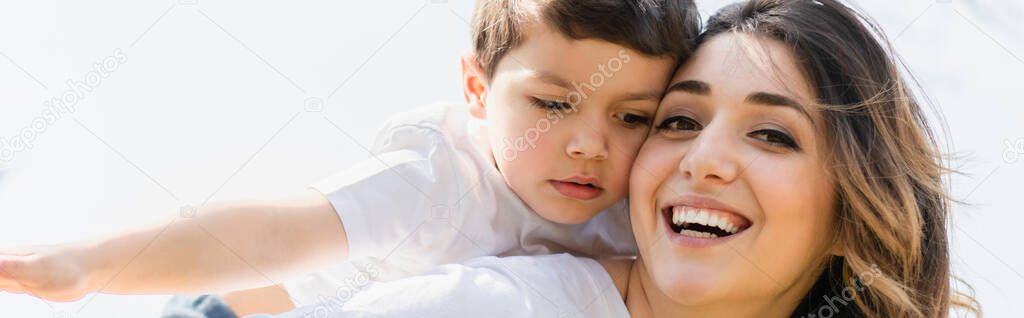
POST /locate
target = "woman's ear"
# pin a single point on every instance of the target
(474, 85)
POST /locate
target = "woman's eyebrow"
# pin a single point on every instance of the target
(697, 87)
(769, 99)
(690, 86)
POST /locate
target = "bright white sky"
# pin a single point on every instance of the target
(210, 101)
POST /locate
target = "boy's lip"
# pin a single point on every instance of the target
(580, 188)
(583, 180)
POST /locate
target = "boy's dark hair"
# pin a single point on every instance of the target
(651, 27)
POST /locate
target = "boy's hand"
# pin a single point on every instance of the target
(48, 272)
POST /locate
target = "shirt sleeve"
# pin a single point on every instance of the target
(560, 286)
(384, 201)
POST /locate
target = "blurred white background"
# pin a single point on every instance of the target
(235, 99)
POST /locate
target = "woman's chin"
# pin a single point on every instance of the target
(692, 284)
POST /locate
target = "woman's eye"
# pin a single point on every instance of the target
(775, 138)
(550, 104)
(633, 119)
(679, 123)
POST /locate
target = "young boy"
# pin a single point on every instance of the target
(560, 94)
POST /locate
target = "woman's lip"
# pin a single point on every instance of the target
(576, 191)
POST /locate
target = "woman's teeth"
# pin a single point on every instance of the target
(698, 234)
(711, 224)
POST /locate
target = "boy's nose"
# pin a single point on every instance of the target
(588, 144)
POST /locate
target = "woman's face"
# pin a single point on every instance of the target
(731, 198)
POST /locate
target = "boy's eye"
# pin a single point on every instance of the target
(633, 119)
(678, 124)
(775, 138)
(550, 104)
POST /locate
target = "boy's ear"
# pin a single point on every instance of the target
(474, 85)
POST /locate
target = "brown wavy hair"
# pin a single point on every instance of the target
(892, 207)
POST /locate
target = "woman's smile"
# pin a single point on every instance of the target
(700, 221)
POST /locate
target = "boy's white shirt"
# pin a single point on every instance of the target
(431, 195)
(560, 285)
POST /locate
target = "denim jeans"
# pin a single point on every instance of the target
(205, 306)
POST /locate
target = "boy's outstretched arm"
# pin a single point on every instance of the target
(223, 247)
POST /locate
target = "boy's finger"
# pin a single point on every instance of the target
(19, 250)
(16, 252)
(10, 283)
(10, 267)
(11, 276)
(11, 287)
(4, 267)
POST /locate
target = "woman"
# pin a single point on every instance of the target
(794, 126)
(790, 173)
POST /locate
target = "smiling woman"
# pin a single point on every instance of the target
(791, 165)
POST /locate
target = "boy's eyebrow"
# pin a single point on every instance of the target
(551, 79)
(654, 95)
(631, 96)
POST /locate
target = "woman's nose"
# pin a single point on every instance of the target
(711, 158)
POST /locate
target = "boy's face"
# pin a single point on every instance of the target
(566, 118)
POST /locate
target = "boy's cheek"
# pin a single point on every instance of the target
(630, 147)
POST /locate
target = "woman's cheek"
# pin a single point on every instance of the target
(655, 164)
(658, 157)
(796, 212)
